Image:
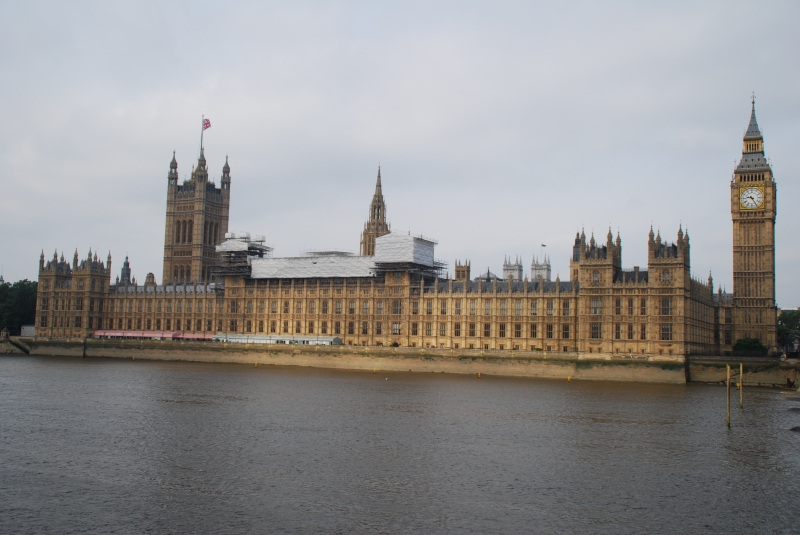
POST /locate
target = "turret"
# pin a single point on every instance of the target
(200, 173)
(226, 175)
(125, 272)
(172, 177)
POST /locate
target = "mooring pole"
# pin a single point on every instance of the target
(728, 388)
(741, 385)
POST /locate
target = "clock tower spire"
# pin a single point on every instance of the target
(753, 210)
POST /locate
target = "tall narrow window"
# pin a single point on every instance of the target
(595, 330)
(666, 306)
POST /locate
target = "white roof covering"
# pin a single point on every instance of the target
(232, 245)
(307, 267)
(396, 247)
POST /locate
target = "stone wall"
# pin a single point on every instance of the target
(757, 372)
(505, 363)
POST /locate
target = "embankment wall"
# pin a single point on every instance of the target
(599, 367)
(507, 363)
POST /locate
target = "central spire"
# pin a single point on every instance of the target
(376, 225)
(753, 132)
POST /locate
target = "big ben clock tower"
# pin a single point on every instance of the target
(753, 209)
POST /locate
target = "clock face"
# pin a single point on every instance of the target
(751, 198)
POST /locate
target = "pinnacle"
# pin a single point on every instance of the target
(753, 132)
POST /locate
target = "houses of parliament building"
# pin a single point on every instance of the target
(395, 293)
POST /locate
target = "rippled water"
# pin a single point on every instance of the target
(91, 446)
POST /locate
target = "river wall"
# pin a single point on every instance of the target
(567, 366)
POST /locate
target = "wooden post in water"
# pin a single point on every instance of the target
(728, 388)
(741, 385)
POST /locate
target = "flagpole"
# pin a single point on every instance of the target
(201, 132)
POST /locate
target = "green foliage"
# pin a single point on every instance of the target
(788, 326)
(750, 345)
(17, 305)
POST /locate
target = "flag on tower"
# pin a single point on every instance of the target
(206, 124)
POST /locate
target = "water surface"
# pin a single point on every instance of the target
(100, 445)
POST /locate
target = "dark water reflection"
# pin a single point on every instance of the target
(92, 446)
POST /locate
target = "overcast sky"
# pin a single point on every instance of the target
(499, 126)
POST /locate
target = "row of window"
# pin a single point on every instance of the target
(394, 307)
(95, 285)
(516, 330)
(628, 331)
(596, 306)
(64, 303)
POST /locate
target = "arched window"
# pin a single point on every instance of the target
(176, 273)
(183, 231)
(215, 235)
(177, 232)
(188, 273)
(190, 232)
(205, 233)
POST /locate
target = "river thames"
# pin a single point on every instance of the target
(101, 446)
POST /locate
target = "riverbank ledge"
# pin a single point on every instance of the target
(550, 365)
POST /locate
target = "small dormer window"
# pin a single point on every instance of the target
(665, 277)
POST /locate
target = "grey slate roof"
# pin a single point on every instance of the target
(752, 161)
(753, 131)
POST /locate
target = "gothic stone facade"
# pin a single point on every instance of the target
(197, 220)
(603, 308)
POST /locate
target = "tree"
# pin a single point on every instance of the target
(752, 346)
(17, 305)
(788, 327)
